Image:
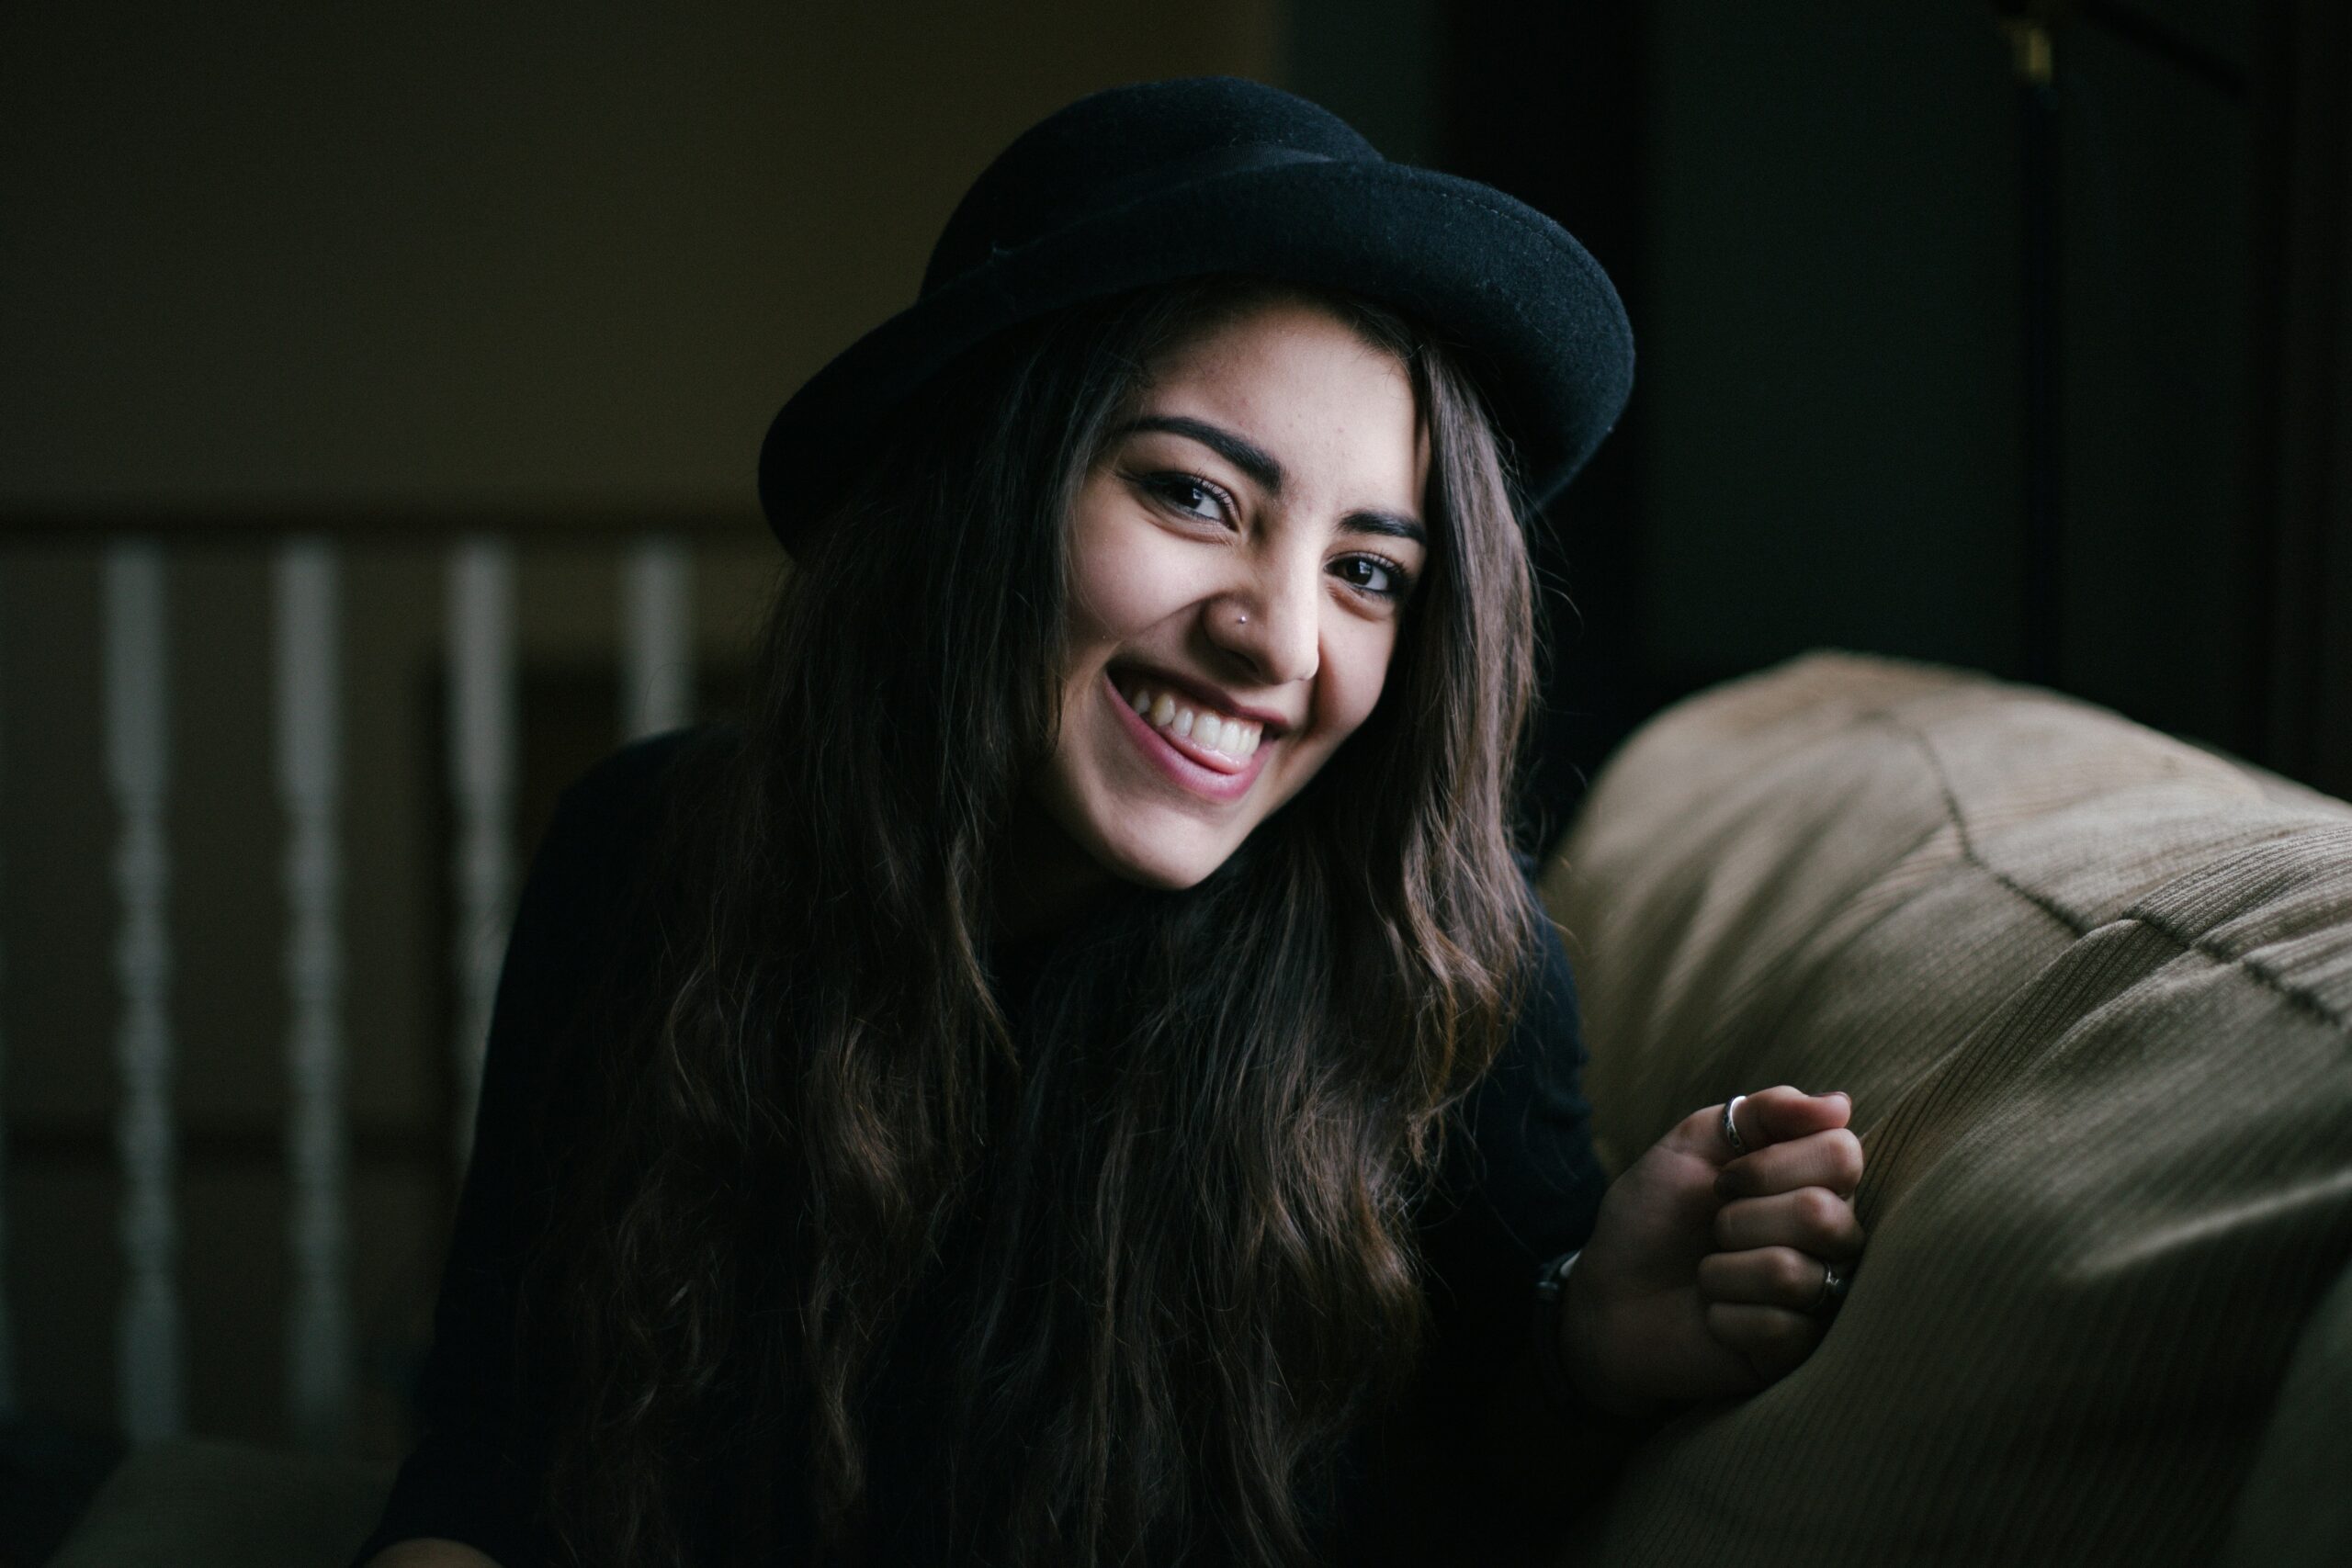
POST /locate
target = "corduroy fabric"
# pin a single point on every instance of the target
(2091, 989)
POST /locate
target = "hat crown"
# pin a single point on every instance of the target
(1119, 145)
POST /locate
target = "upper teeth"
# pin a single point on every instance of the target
(1235, 737)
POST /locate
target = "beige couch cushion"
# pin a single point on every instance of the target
(2091, 991)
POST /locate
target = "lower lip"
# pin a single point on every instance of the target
(1209, 784)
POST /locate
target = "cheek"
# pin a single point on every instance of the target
(1356, 673)
(1125, 574)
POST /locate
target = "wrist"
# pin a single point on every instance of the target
(1581, 1355)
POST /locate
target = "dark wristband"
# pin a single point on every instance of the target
(1550, 1372)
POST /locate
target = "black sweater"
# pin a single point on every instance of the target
(1519, 1185)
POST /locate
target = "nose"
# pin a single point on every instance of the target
(1269, 621)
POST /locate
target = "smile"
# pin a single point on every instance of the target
(1181, 715)
(1188, 742)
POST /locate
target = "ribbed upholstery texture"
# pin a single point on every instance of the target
(2091, 991)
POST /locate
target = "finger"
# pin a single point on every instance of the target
(1764, 1276)
(1773, 1340)
(1831, 1159)
(1811, 1219)
(1778, 1114)
(1768, 1116)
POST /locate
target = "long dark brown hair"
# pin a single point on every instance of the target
(1150, 1188)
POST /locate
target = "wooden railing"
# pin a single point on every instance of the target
(654, 652)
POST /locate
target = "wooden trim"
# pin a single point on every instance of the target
(215, 1142)
(586, 522)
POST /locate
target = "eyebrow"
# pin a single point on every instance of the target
(1263, 467)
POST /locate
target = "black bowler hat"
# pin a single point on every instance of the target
(1166, 180)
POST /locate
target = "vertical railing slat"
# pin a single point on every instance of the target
(138, 746)
(310, 741)
(657, 637)
(7, 1333)
(482, 745)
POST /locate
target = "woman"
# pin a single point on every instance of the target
(1077, 1075)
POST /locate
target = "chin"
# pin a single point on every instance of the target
(1170, 867)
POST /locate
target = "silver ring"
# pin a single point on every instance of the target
(1833, 1290)
(1731, 1128)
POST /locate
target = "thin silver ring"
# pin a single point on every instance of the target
(1833, 1290)
(1731, 1128)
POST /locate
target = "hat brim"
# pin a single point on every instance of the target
(1534, 319)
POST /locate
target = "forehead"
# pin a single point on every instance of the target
(1301, 381)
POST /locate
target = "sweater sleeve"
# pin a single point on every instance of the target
(1519, 1184)
(475, 1471)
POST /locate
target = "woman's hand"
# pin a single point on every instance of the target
(1706, 1264)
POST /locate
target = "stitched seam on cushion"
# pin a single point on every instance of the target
(1824, 962)
(2269, 979)
(2042, 901)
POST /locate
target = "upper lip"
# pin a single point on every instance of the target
(1209, 692)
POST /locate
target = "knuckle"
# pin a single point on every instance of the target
(1791, 1270)
(1847, 1152)
(1823, 1210)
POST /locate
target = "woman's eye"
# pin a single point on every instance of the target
(1193, 496)
(1372, 575)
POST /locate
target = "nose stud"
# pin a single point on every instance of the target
(1240, 618)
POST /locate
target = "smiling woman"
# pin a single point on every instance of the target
(1076, 1075)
